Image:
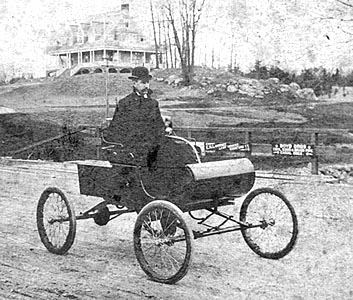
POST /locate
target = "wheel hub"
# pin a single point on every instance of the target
(265, 223)
(102, 216)
(163, 241)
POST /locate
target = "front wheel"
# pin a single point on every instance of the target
(163, 242)
(56, 221)
(271, 226)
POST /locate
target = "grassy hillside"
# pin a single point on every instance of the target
(46, 107)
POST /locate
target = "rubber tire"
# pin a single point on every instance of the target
(40, 222)
(162, 204)
(253, 246)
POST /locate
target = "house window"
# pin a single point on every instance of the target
(126, 24)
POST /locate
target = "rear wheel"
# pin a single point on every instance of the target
(163, 242)
(272, 226)
(56, 221)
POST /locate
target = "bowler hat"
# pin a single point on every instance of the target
(140, 73)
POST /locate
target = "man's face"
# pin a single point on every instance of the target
(141, 85)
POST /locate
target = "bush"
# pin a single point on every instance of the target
(263, 72)
(259, 71)
(319, 79)
(14, 80)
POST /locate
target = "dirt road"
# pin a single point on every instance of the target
(102, 265)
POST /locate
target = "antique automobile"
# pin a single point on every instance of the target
(162, 239)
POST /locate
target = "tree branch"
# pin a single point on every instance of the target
(199, 12)
(346, 32)
(334, 18)
(345, 3)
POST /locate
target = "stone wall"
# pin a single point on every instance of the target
(244, 86)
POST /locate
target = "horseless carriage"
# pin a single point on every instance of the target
(162, 239)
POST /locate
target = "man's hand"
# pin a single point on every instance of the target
(169, 130)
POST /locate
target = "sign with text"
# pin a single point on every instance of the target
(293, 149)
(212, 147)
(239, 147)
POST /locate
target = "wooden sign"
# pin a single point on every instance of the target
(293, 149)
(212, 147)
(239, 147)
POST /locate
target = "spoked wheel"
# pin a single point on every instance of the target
(163, 242)
(56, 221)
(272, 225)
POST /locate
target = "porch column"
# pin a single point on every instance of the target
(131, 59)
(117, 56)
(70, 64)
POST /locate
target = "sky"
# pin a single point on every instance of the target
(298, 39)
(25, 23)
(294, 34)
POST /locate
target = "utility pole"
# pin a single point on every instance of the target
(105, 58)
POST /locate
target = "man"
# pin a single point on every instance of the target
(137, 124)
(139, 130)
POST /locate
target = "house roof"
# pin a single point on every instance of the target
(128, 39)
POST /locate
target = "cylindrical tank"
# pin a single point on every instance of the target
(217, 179)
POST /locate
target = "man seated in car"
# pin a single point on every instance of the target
(137, 123)
(138, 127)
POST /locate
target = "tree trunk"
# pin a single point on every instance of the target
(231, 54)
(212, 59)
(176, 36)
(155, 36)
(170, 49)
(165, 45)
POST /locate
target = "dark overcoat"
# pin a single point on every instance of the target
(137, 124)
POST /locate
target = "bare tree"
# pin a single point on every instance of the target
(170, 46)
(189, 12)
